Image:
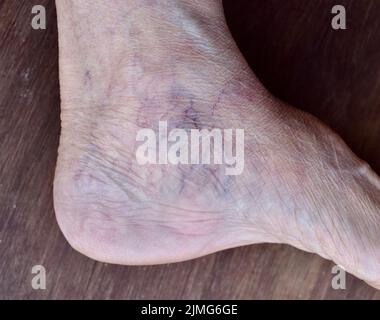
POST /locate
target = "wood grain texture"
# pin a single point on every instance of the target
(297, 55)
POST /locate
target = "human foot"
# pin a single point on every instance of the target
(130, 65)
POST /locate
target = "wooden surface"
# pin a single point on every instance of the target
(295, 52)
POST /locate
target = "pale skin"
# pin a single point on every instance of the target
(131, 63)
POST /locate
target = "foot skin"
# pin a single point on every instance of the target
(127, 66)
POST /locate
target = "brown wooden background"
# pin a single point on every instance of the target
(291, 46)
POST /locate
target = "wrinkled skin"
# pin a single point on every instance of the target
(128, 65)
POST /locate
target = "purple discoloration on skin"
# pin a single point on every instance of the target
(88, 78)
